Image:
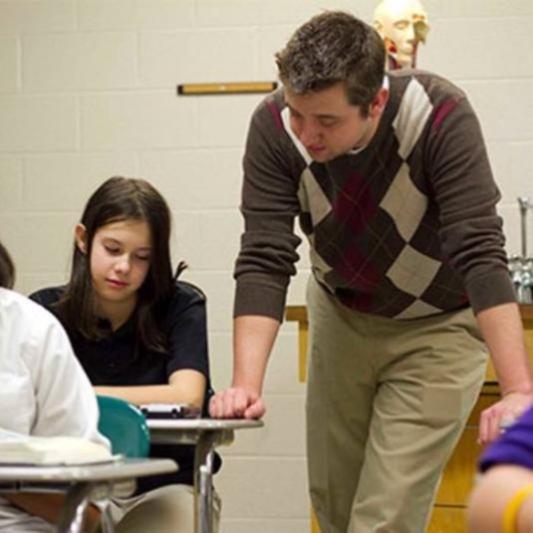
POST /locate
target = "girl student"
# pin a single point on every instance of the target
(43, 383)
(138, 332)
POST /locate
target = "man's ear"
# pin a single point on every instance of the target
(80, 236)
(380, 101)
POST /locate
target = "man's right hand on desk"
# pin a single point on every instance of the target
(236, 402)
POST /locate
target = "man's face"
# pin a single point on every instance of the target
(328, 125)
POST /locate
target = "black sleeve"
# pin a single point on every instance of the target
(39, 297)
(187, 333)
(47, 297)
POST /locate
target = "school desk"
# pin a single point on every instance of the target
(206, 434)
(81, 482)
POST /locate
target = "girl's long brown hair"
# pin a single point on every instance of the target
(7, 269)
(115, 200)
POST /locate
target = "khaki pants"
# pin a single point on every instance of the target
(386, 403)
(168, 509)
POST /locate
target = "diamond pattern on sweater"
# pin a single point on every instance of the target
(405, 203)
(417, 309)
(413, 272)
(413, 114)
(312, 198)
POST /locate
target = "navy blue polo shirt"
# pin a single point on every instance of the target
(118, 359)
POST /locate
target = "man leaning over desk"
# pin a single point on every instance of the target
(390, 179)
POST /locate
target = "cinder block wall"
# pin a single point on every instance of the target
(87, 90)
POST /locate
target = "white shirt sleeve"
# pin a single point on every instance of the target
(41, 371)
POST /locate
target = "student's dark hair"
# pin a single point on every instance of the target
(115, 200)
(334, 47)
(7, 269)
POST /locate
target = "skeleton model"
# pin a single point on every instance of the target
(402, 24)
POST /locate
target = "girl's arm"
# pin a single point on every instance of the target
(184, 386)
(187, 352)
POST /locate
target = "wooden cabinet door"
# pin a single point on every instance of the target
(448, 520)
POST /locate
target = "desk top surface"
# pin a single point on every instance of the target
(192, 431)
(121, 469)
(202, 424)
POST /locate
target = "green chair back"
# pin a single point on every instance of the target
(125, 426)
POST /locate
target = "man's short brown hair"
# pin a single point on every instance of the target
(334, 47)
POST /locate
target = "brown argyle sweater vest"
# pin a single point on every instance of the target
(405, 228)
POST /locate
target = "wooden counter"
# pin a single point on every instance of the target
(459, 474)
(458, 477)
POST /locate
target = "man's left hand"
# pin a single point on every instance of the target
(502, 414)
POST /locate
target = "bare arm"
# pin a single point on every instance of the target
(501, 327)
(184, 386)
(253, 338)
(491, 496)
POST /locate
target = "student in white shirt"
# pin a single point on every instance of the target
(43, 391)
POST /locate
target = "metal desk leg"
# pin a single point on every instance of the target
(206, 495)
(76, 499)
(203, 482)
(106, 521)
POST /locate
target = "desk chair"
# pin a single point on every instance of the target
(125, 426)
